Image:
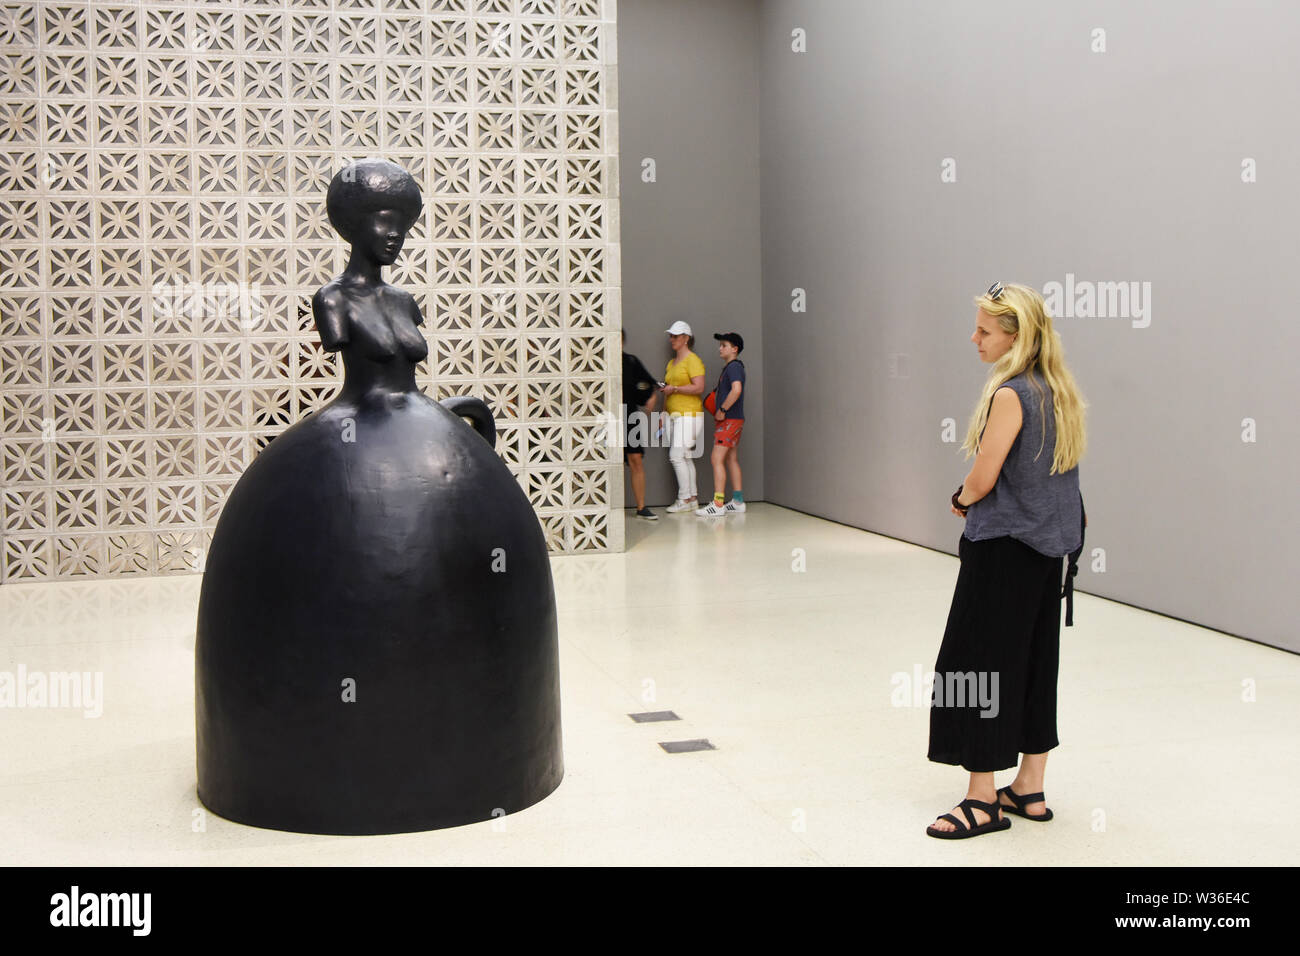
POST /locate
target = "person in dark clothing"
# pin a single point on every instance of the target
(640, 393)
(995, 678)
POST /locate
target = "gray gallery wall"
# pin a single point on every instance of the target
(1123, 165)
(688, 99)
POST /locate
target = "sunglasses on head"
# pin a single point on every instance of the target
(995, 290)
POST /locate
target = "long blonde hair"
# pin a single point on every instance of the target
(1038, 350)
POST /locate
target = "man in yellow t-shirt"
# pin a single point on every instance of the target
(684, 403)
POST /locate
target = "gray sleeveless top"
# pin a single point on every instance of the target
(1038, 509)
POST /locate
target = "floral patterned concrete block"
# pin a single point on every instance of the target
(162, 228)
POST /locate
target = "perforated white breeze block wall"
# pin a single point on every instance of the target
(163, 169)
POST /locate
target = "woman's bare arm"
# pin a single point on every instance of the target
(1005, 420)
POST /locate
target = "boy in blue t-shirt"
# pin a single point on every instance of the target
(729, 414)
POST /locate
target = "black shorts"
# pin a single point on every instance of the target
(631, 447)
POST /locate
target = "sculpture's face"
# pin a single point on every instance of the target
(382, 234)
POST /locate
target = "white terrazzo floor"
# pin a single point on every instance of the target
(787, 673)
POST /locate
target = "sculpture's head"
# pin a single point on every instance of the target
(372, 203)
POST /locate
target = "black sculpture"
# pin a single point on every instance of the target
(376, 647)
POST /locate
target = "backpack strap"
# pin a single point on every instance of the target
(723, 371)
(1073, 569)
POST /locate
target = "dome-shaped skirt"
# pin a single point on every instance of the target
(376, 648)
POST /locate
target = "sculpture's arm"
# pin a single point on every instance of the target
(414, 308)
(328, 310)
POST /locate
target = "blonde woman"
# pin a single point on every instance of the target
(995, 678)
(683, 402)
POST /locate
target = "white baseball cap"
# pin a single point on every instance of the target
(679, 328)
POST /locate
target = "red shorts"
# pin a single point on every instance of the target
(727, 432)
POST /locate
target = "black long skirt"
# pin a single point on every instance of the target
(994, 691)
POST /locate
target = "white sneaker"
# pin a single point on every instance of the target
(679, 505)
(711, 510)
(735, 507)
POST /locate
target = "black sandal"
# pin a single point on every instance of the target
(1022, 801)
(996, 821)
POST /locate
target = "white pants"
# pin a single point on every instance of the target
(683, 436)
